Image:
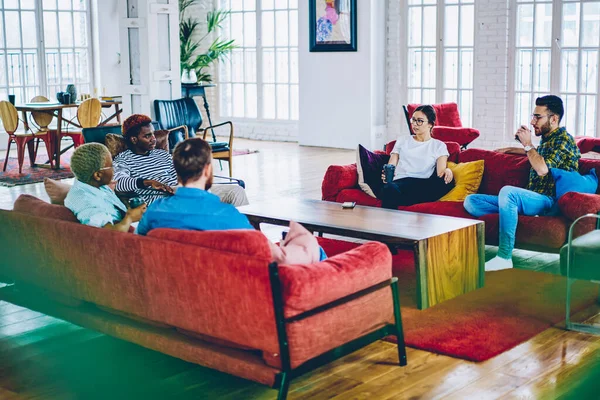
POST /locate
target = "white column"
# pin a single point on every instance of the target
(149, 36)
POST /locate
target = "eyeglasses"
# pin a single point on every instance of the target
(537, 117)
(103, 168)
(417, 122)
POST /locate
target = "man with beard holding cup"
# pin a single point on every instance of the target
(557, 149)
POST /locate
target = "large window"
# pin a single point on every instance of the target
(557, 51)
(40, 56)
(260, 80)
(440, 53)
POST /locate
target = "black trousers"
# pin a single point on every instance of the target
(409, 191)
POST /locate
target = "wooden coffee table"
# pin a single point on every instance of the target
(449, 252)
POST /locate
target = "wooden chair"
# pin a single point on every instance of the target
(43, 121)
(10, 121)
(88, 116)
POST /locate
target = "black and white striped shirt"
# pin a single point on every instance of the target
(130, 167)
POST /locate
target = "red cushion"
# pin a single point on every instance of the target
(32, 205)
(462, 136)
(587, 144)
(574, 205)
(446, 114)
(537, 231)
(499, 169)
(338, 177)
(245, 242)
(449, 208)
(357, 195)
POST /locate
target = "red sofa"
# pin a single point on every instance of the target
(211, 298)
(545, 233)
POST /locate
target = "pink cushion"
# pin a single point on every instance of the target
(32, 205)
(299, 247)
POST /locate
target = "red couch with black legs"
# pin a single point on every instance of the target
(541, 233)
(211, 298)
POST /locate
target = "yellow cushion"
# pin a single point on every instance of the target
(467, 178)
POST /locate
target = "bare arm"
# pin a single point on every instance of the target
(441, 165)
(537, 162)
(512, 150)
(394, 157)
(132, 215)
(535, 159)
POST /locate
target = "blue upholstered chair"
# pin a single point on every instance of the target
(182, 118)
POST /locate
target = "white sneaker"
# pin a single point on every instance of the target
(498, 263)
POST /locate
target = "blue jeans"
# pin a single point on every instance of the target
(510, 203)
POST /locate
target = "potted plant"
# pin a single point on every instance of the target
(194, 64)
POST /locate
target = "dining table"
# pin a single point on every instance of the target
(56, 109)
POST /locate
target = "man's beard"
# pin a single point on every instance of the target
(209, 183)
(544, 129)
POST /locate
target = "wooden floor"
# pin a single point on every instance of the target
(46, 358)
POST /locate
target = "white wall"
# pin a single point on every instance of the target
(339, 91)
(108, 59)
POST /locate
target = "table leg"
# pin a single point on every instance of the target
(57, 138)
(452, 264)
(420, 254)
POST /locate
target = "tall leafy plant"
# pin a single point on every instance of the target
(191, 58)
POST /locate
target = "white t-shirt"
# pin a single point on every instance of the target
(417, 159)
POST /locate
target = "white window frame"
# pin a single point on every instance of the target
(42, 78)
(555, 66)
(260, 83)
(440, 46)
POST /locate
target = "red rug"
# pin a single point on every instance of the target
(11, 176)
(512, 307)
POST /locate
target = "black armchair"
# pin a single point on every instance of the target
(182, 118)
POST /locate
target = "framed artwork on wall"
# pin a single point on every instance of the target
(332, 25)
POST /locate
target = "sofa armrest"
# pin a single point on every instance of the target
(337, 178)
(306, 287)
(574, 205)
(462, 136)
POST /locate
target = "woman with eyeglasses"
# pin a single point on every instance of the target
(421, 170)
(90, 198)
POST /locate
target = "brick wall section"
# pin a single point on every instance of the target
(396, 124)
(491, 79)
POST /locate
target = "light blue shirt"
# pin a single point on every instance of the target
(94, 206)
(193, 209)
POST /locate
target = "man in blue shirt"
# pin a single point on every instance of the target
(192, 206)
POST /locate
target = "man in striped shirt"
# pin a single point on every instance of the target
(149, 172)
